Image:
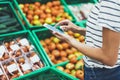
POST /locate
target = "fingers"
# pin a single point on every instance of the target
(61, 23)
(64, 28)
(57, 35)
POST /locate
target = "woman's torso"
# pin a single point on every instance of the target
(94, 37)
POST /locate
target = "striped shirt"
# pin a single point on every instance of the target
(106, 14)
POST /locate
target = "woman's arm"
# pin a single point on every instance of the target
(108, 54)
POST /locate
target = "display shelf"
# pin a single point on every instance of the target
(71, 67)
(59, 46)
(22, 39)
(57, 18)
(52, 74)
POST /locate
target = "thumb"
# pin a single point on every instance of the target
(64, 28)
(55, 33)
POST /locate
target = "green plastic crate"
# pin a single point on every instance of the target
(64, 64)
(26, 34)
(20, 27)
(29, 26)
(47, 73)
(42, 34)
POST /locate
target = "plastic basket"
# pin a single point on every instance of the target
(64, 65)
(29, 26)
(38, 34)
(9, 12)
(42, 34)
(47, 74)
(29, 36)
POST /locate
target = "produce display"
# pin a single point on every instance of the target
(18, 57)
(60, 51)
(48, 73)
(8, 21)
(38, 13)
(81, 11)
(74, 68)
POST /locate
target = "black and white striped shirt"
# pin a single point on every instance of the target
(106, 13)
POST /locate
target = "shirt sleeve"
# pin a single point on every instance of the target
(109, 14)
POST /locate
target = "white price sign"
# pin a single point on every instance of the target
(11, 68)
(35, 59)
(14, 47)
(2, 51)
(24, 42)
(1, 72)
(26, 66)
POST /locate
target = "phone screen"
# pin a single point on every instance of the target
(53, 28)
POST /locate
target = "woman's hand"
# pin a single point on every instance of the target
(66, 25)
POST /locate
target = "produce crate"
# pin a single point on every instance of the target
(9, 21)
(70, 67)
(79, 8)
(15, 42)
(52, 74)
(29, 26)
(43, 34)
(38, 34)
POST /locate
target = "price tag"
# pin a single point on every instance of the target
(26, 67)
(24, 42)
(35, 59)
(14, 47)
(11, 68)
(1, 72)
(2, 51)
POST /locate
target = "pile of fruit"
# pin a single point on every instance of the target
(60, 51)
(38, 13)
(74, 68)
(18, 57)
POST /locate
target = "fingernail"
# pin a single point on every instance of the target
(53, 32)
(60, 27)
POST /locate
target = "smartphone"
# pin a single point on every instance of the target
(52, 28)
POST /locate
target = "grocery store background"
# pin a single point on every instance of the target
(29, 51)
